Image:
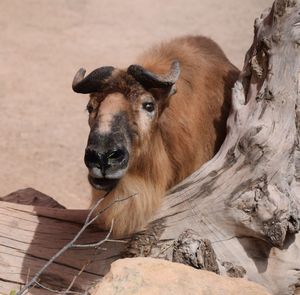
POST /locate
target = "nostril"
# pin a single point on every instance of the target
(116, 156)
(113, 159)
(92, 158)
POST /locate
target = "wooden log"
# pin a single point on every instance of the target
(31, 235)
(30, 196)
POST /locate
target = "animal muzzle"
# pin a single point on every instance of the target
(106, 166)
(109, 163)
(107, 158)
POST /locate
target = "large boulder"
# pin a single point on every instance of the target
(149, 276)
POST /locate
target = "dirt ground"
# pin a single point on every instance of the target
(43, 124)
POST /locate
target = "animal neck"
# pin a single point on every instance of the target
(135, 195)
(153, 163)
(145, 183)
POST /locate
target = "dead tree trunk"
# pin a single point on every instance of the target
(238, 215)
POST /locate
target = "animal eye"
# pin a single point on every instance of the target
(148, 106)
(89, 108)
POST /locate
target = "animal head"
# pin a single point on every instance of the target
(124, 109)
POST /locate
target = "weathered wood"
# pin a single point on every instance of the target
(30, 235)
(30, 196)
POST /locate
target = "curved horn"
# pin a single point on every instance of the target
(151, 80)
(92, 82)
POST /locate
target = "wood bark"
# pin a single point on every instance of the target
(238, 215)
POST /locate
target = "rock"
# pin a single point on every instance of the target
(149, 276)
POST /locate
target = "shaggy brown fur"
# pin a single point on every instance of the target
(186, 132)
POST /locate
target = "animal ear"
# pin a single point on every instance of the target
(159, 85)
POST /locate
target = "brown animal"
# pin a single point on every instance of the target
(154, 124)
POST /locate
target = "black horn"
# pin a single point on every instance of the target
(151, 80)
(93, 82)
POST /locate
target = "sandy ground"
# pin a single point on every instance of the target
(43, 124)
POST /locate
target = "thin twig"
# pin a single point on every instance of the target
(56, 291)
(117, 241)
(76, 277)
(90, 260)
(95, 245)
(61, 251)
(69, 245)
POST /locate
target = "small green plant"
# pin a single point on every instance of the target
(12, 292)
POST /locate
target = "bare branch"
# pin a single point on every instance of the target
(89, 220)
(56, 291)
(95, 245)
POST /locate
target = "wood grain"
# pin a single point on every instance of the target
(30, 235)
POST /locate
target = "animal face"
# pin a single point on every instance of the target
(123, 114)
(119, 126)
